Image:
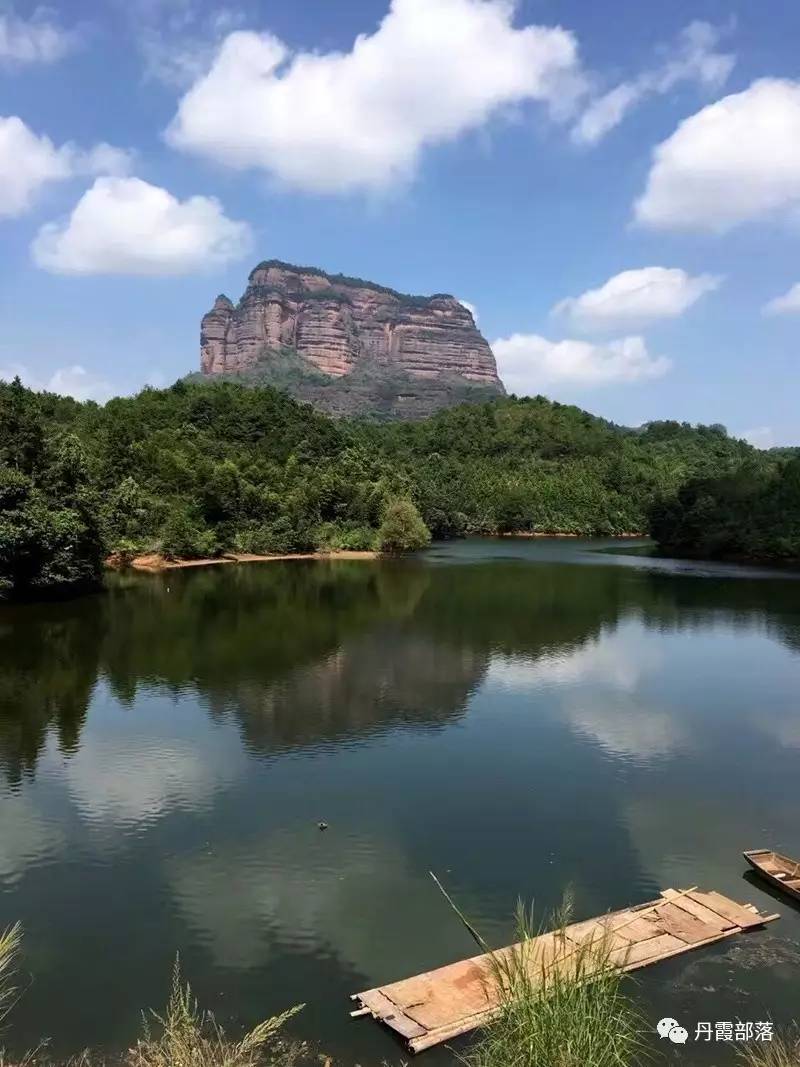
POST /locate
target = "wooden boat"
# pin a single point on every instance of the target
(777, 869)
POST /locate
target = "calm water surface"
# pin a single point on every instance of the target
(516, 716)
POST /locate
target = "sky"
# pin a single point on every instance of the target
(613, 187)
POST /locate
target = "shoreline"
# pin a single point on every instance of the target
(153, 562)
(628, 535)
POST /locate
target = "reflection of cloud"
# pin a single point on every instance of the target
(598, 685)
(26, 838)
(140, 780)
(607, 659)
(785, 729)
(625, 726)
(301, 889)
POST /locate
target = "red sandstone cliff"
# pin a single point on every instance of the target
(340, 324)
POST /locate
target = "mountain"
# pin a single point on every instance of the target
(348, 346)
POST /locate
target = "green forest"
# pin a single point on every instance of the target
(199, 469)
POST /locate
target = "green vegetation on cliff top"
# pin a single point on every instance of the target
(197, 469)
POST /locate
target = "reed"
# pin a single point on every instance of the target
(780, 1052)
(579, 1014)
(187, 1036)
(10, 941)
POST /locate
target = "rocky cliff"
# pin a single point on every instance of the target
(348, 345)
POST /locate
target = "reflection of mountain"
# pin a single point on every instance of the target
(305, 651)
(370, 683)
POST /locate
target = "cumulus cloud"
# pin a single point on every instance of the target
(788, 304)
(637, 297)
(33, 40)
(528, 363)
(29, 161)
(735, 161)
(127, 226)
(73, 381)
(693, 59)
(359, 120)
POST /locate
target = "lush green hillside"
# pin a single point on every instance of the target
(753, 513)
(198, 469)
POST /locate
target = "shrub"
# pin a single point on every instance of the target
(184, 537)
(402, 529)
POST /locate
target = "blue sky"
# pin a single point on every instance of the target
(615, 187)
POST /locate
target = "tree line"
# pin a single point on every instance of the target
(199, 469)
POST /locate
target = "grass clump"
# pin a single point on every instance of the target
(780, 1052)
(578, 1014)
(10, 941)
(187, 1036)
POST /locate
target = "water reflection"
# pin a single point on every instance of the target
(168, 749)
(303, 654)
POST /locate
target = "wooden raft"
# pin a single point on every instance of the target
(441, 1004)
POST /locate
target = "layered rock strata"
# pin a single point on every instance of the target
(337, 324)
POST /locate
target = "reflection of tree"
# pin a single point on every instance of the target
(50, 660)
(509, 607)
(679, 602)
(309, 651)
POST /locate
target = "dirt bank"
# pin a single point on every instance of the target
(156, 562)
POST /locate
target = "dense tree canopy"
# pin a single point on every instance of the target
(752, 513)
(49, 533)
(198, 469)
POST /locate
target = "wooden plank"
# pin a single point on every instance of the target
(699, 911)
(639, 952)
(728, 909)
(438, 1005)
(680, 923)
(388, 1012)
(633, 927)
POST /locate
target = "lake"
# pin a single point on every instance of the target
(516, 716)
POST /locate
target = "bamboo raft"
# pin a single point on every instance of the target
(452, 1000)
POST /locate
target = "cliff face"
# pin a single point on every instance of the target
(345, 333)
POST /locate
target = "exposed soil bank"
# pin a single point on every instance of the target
(156, 562)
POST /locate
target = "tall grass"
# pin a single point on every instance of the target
(184, 1036)
(10, 941)
(780, 1052)
(187, 1036)
(576, 1014)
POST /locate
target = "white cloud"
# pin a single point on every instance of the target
(337, 122)
(33, 40)
(180, 49)
(126, 226)
(528, 363)
(637, 297)
(788, 304)
(760, 436)
(735, 161)
(73, 381)
(693, 60)
(471, 309)
(28, 162)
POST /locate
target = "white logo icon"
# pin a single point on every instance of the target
(670, 1028)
